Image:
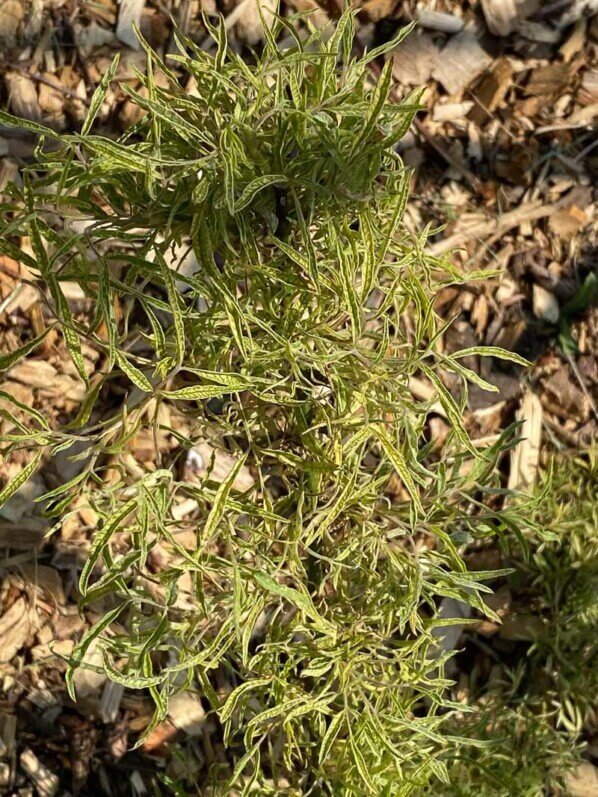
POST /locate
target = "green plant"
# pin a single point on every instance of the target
(311, 595)
(562, 579)
(534, 717)
(522, 752)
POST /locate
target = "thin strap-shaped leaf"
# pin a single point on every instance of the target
(85, 642)
(101, 539)
(219, 505)
(13, 357)
(19, 480)
(254, 187)
(136, 376)
(99, 95)
(199, 392)
(400, 465)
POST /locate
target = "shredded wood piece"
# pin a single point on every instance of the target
(531, 211)
(525, 457)
(129, 16)
(46, 782)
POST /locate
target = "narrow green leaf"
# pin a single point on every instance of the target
(219, 505)
(492, 351)
(235, 696)
(136, 376)
(19, 480)
(99, 95)
(71, 338)
(84, 644)
(332, 732)
(199, 392)
(25, 124)
(8, 360)
(175, 308)
(400, 465)
(101, 539)
(298, 599)
(452, 411)
(254, 187)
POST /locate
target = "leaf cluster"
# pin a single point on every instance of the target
(243, 252)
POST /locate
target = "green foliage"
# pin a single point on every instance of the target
(523, 752)
(533, 718)
(313, 594)
(563, 583)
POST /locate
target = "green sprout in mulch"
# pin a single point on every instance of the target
(289, 345)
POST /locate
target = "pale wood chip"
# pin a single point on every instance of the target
(501, 16)
(112, 695)
(33, 373)
(5, 773)
(375, 10)
(91, 37)
(129, 15)
(447, 636)
(568, 13)
(568, 222)
(87, 681)
(414, 60)
(548, 81)
(528, 212)
(33, 20)
(583, 781)
(588, 93)
(575, 42)
(539, 32)
(11, 15)
(43, 698)
(50, 98)
(451, 111)
(504, 16)
(204, 458)
(317, 15)
(44, 578)
(247, 21)
(545, 305)
(8, 733)
(439, 21)
(186, 712)
(46, 782)
(460, 62)
(9, 168)
(491, 91)
(525, 457)
(23, 501)
(15, 625)
(582, 116)
(22, 96)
